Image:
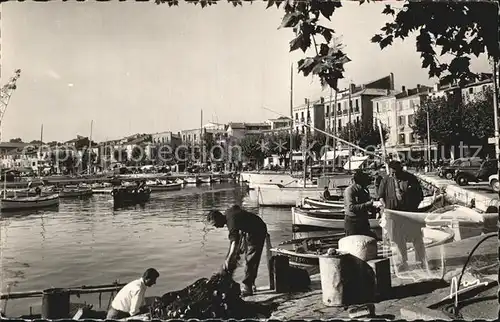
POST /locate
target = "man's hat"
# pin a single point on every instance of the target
(395, 164)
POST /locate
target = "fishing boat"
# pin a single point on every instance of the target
(215, 179)
(323, 203)
(192, 180)
(204, 180)
(322, 218)
(102, 188)
(33, 202)
(280, 196)
(465, 222)
(75, 191)
(304, 252)
(164, 186)
(128, 196)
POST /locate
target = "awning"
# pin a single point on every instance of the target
(338, 153)
(356, 162)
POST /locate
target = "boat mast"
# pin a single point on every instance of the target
(304, 149)
(350, 125)
(335, 132)
(90, 147)
(329, 130)
(41, 144)
(291, 118)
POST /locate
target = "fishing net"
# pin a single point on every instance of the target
(217, 297)
(416, 253)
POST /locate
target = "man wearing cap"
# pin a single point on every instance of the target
(130, 298)
(402, 191)
(243, 226)
(358, 206)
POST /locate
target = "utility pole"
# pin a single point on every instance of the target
(304, 153)
(291, 119)
(349, 127)
(90, 148)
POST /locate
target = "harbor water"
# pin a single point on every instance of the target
(86, 242)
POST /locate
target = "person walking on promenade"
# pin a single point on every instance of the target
(402, 191)
(244, 227)
(129, 300)
(358, 206)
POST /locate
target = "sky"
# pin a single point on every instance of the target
(142, 68)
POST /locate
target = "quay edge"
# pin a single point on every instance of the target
(456, 194)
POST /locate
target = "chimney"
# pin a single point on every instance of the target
(391, 77)
(418, 87)
(403, 89)
(322, 100)
(353, 87)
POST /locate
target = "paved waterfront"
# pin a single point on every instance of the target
(308, 305)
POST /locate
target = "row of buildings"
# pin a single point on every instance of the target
(365, 104)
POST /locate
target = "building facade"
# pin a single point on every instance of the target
(313, 112)
(354, 104)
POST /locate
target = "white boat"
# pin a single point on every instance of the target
(269, 177)
(102, 191)
(216, 179)
(326, 218)
(165, 187)
(20, 203)
(204, 180)
(192, 180)
(465, 222)
(75, 191)
(322, 203)
(281, 196)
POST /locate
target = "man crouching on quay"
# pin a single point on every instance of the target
(243, 227)
(130, 298)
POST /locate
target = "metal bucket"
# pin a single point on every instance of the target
(55, 303)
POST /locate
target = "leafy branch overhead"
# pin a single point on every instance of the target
(460, 29)
(303, 17)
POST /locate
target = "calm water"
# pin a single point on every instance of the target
(85, 242)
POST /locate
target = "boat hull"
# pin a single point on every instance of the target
(127, 197)
(323, 219)
(29, 203)
(166, 187)
(278, 196)
(319, 203)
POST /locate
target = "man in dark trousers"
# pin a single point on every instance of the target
(402, 191)
(243, 226)
(358, 206)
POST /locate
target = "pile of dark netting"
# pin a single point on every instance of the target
(217, 297)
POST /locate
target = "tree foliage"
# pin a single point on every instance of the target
(478, 118)
(16, 140)
(255, 147)
(362, 135)
(467, 29)
(459, 28)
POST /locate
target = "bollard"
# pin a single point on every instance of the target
(281, 265)
(363, 247)
(55, 304)
(333, 271)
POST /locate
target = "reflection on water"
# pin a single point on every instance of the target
(86, 242)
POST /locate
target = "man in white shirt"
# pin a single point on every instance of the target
(130, 298)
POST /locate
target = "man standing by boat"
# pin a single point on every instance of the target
(402, 191)
(243, 227)
(130, 298)
(358, 206)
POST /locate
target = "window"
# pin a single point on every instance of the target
(340, 124)
(471, 90)
(378, 109)
(357, 105)
(327, 110)
(400, 106)
(401, 120)
(302, 115)
(339, 106)
(484, 87)
(296, 116)
(194, 137)
(411, 119)
(357, 119)
(401, 139)
(412, 138)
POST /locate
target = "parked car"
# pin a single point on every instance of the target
(448, 171)
(464, 175)
(494, 183)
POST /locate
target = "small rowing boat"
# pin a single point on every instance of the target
(324, 218)
(335, 202)
(165, 187)
(22, 203)
(304, 252)
(191, 180)
(128, 196)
